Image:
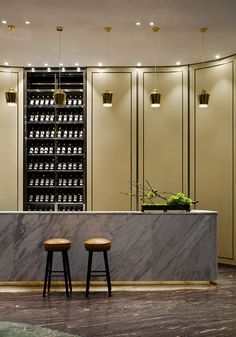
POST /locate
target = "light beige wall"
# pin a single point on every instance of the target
(112, 134)
(11, 143)
(163, 131)
(111, 140)
(213, 149)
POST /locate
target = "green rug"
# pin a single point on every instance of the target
(9, 329)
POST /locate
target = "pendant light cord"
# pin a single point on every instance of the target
(10, 29)
(107, 58)
(11, 43)
(107, 30)
(59, 57)
(203, 30)
(59, 29)
(155, 29)
(156, 45)
(203, 55)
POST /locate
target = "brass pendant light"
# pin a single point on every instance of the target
(59, 95)
(11, 97)
(11, 94)
(107, 95)
(155, 95)
(203, 98)
(107, 98)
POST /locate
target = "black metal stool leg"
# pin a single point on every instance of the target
(46, 276)
(107, 273)
(65, 271)
(90, 257)
(68, 270)
(50, 253)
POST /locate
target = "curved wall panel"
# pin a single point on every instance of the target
(11, 142)
(212, 149)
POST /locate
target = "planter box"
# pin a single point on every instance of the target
(165, 208)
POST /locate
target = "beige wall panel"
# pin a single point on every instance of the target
(212, 149)
(163, 131)
(11, 150)
(111, 148)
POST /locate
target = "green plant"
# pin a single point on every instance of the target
(148, 195)
(178, 199)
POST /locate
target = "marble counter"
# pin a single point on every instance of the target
(175, 246)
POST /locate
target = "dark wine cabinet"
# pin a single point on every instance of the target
(55, 142)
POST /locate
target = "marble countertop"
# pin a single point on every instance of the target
(173, 245)
(114, 212)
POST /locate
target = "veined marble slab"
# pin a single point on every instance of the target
(176, 246)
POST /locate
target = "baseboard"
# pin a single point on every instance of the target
(79, 286)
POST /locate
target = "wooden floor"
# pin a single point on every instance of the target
(181, 313)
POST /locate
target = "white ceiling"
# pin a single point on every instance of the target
(84, 38)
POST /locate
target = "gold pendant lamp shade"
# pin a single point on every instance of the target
(155, 95)
(107, 95)
(203, 97)
(11, 94)
(11, 97)
(107, 98)
(59, 95)
(155, 99)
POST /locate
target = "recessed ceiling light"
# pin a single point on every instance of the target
(138, 23)
(6, 63)
(100, 64)
(217, 56)
(178, 63)
(76, 64)
(46, 64)
(63, 69)
(4, 22)
(78, 69)
(29, 64)
(60, 64)
(27, 22)
(139, 64)
(151, 23)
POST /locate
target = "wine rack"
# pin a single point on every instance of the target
(55, 142)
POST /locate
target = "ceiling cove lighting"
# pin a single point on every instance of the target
(100, 64)
(151, 23)
(138, 23)
(59, 95)
(27, 22)
(203, 98)
(6, 63)
(11, 94)
(217, 56)
(139, 64)
(107, 95)
(4, 22)
(155, 95)
(178, 63)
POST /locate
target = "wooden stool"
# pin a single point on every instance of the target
(98, 245)
(57, 245)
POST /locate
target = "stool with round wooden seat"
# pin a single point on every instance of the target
(57, 245)
(98, 245)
